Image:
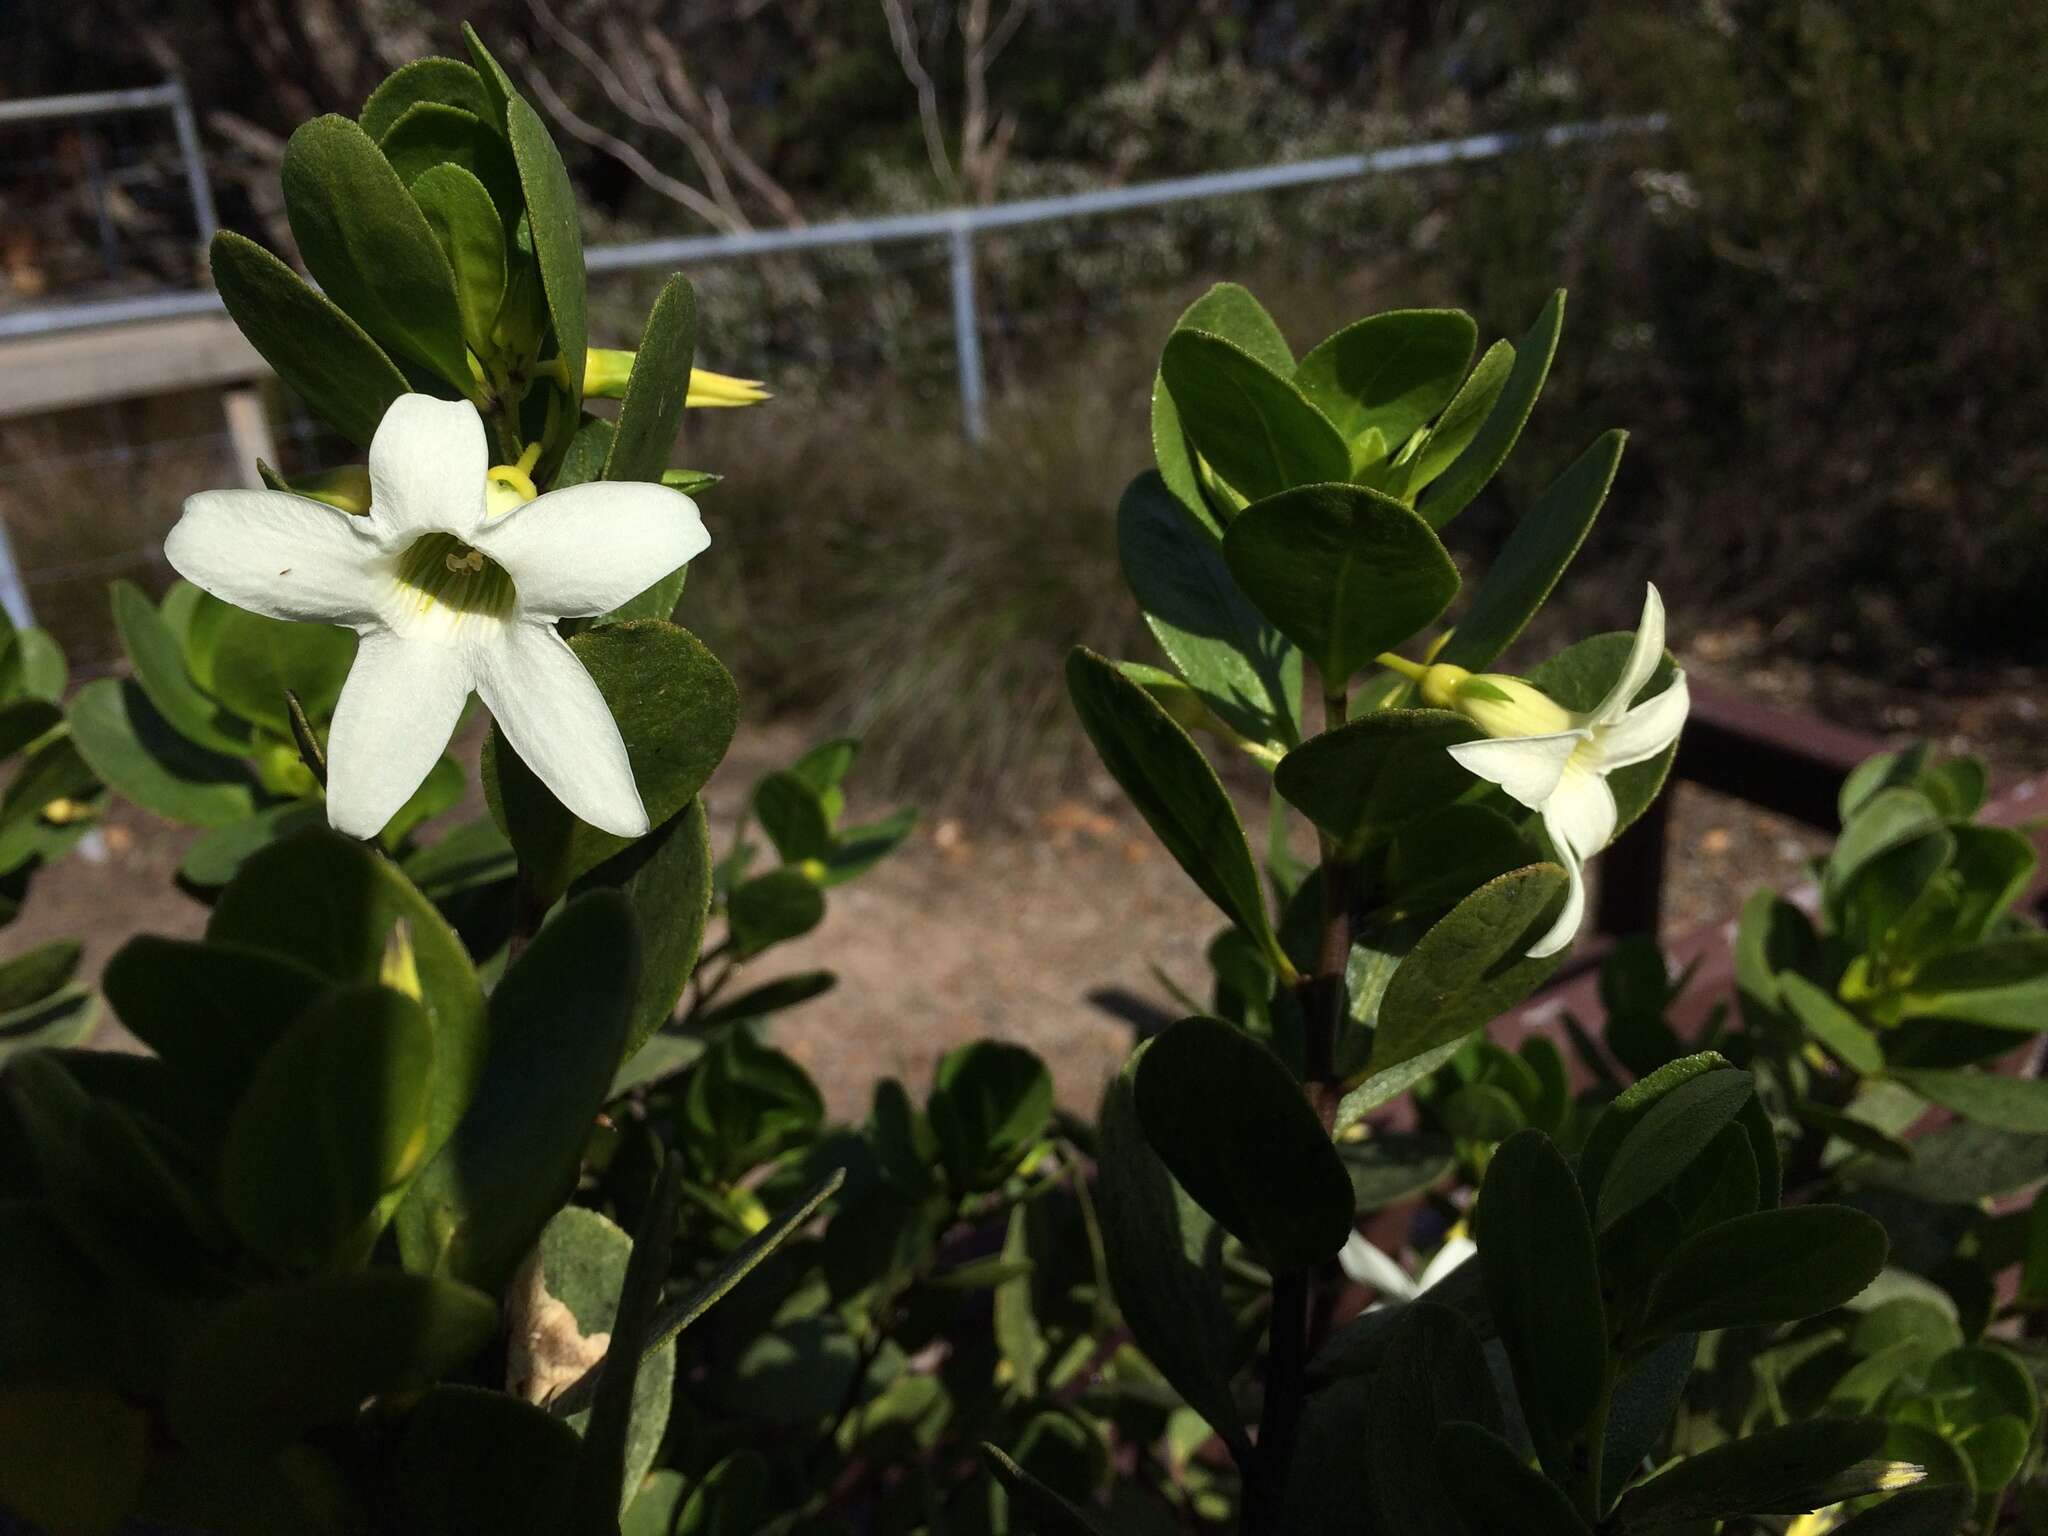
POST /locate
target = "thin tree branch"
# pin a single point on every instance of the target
(903, 35)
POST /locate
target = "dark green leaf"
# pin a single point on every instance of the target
(1173, 787)
(2008, 1103)
(1434, 1373)
(334, 905)
(429, 79)
(369, 247)
(1937, 1511)
(36, 973)
(556, 1034)
(1255, 428)
(1233, 1127)
(989, 1103)
(334, 1117)
(747, 1104)
(1468, 968)
(666, 876)
(609, 1470)
(794, 816)
(772, 908)
(210, 1011)
(263, 1369)
(432, 135)
(1785, 1471)
(1045, 1512)
(1342, 571)
(1364, 779)
(2003, 983)
(1489, 448)
(452, 1431)
(1165, 1256)
(1666, 1138)
(326, 358)
(1389, 373)
(557, 238)
(1770, 1267)
(465, 221)
(653, 406)
(1231, 656)
(1646, 1399)
(1495, 1490)
(1461, 419)
(1537, 1259)
(159, 662)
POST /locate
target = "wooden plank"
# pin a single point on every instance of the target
(149, 357)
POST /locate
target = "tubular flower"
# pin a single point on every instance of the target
(606, 371)
(450, 595)
(1556, 760)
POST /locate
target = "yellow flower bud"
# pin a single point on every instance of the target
(606, 371)
(1499, 705)
(399, 969)
(346, 487)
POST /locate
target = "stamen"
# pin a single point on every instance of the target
(439, 574)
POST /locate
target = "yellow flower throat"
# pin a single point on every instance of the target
(439, 571)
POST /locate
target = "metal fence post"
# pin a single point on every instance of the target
(13, 590)
(966, 334)
(203, 214)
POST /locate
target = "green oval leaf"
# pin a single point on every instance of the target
(1542, 1280)
(1770, 1267)
(1469, 968)
(1232, 1126)
(1218, 641)
(1490, 446)
(333, 1118)
(327, 359)
(1174, 788)
(1342, 571)
(368, 246)
(1389, 373)
(1255, 428)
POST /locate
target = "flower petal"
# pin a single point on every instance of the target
(1527, 767)
(589, 548)
(1367, 1265)
(1644, 731)
(1561, 933)
(427, 464)
(559, 724)
(397, 710)
(1580, 814)
(1643, 657)
(1454, 1252)
(284, 556)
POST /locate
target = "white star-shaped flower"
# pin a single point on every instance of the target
(1372, 1266)
(1556, 761)
(449, 597)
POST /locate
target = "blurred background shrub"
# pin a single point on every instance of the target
(1816, 302)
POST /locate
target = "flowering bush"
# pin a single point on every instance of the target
(464, 1190)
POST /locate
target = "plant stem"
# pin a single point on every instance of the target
(1265, 1483)
(528, 911)
(1412, 670)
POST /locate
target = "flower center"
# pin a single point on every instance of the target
(442, 580)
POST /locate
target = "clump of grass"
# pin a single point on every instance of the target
(872, 568)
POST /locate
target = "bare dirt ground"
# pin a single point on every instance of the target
(969, 932)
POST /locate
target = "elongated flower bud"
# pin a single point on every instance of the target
(606, 371)
(1498, 704)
